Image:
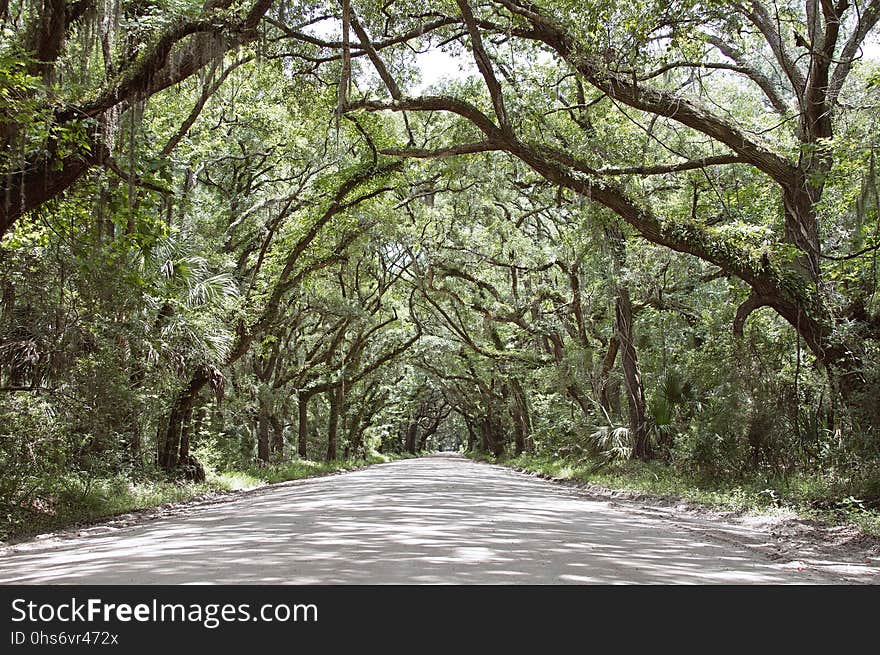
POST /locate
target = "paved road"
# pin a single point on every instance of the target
(437, 519)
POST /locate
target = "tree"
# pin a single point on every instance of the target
(626, 69)
(79, 132)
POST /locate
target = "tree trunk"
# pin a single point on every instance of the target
(472, 436)
(605, 373)
(555, 348)
(492, 438)
(277, 446)
(173, 441)
(431, 429)
(357, 443)
(302, 428)
(411, 434)
(135, 439)
(522, 423)
(336, 397)
(184, 434)
(427, 434)
(369, 407)
(263, 432)
(632, 379)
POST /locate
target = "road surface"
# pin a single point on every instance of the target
(441, 519)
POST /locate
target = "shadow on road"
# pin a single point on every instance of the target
(429, 520)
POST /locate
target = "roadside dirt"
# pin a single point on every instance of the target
(780, 535)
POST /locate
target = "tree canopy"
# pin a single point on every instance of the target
(255, 231)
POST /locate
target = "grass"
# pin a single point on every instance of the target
(256, 476)
(799, 494)
(76, 500)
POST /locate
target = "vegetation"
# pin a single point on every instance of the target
(241, 237)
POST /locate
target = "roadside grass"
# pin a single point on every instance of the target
(256, 476)
(80, 500)
(807, 496)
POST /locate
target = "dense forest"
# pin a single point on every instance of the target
(242, 234)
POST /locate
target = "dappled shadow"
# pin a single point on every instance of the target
(429, 520)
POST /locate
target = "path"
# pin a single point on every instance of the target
(441, 519)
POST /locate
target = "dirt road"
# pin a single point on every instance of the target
(441, 519)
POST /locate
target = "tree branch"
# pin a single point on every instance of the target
(866, 22)
(649, 99)
(207, 92)
(763, 82)
(484, 64)
(662, 169)
(136, 180)
(751, 303)
(760, 18)
(441, 153)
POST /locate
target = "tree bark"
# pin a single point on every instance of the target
(491, 433)
(277, 445)
(472, 436)
(632, 379)
(605, 373)
(412, 431)
(302, 428)
(173, 440)
(263, 432)
(336, 395)
(522, 423)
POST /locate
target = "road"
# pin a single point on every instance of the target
(441, 519)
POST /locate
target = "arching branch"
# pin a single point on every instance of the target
(743, 312)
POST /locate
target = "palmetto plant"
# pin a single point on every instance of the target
(673, 391)
(189, 296)
(610, 444)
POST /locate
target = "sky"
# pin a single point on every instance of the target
(437, 65)
(871, 47)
